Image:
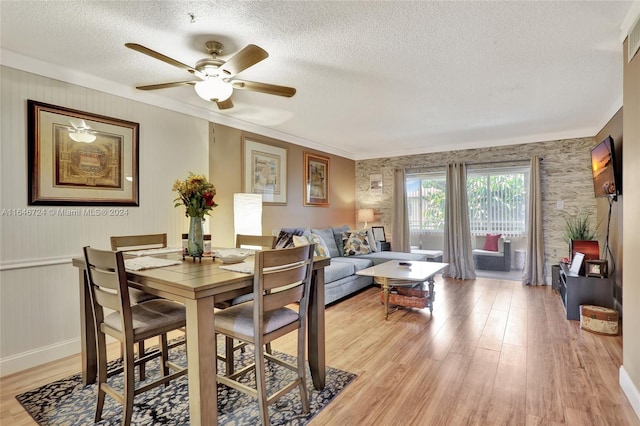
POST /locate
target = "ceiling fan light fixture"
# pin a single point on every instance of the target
(82, 136)
(214, 89)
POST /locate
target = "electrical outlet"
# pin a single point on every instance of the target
(560, 205)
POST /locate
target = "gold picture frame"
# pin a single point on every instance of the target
(79, 158)
(264, 171)
(316, 180)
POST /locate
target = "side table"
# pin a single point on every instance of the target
(519, 257)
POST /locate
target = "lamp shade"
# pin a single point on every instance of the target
(214, 89)
(365, 215)
(247, 214)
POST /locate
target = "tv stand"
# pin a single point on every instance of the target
(576, 290)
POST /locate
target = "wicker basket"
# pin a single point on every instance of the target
(409, 297)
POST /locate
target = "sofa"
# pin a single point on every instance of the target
(493, 254)
(362, 252)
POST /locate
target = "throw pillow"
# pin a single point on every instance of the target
(285, 240)
(491, 242)
(372, 241)
(337, 236)
(300, 241)
(321, 247)
(355, 243)
(327, 236)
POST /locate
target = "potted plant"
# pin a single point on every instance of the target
(582, 236)
(579, 228)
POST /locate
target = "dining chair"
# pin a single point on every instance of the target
(242, 240)
(281, 278)
(263, 241)
(138, 242)
(129, 324)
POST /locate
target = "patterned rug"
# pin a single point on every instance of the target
(69, 402)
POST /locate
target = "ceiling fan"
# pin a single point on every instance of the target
(216, 78)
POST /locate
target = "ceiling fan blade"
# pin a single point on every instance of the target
(161, 57)
(225, 104)
(245, 58)
(166, 85)
(271, 89)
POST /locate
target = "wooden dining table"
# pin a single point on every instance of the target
(198, 285)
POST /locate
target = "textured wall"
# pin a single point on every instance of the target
(566, 176)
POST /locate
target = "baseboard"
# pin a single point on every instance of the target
(33, 358)
(630, 390)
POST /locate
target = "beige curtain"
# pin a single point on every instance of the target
(457, 231)
(534, 260)
(400, 222)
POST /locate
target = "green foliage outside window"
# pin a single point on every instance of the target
(497, 201)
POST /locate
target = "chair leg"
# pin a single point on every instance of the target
(302, 369)
(102, 375)
(164, 356)
(142, 366)
(228, 355)
(268, 348)
(129, 386)
(261, 387)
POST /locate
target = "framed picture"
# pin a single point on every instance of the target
(79, 158)
(375, 184)
(576, 263)
(596, 268)
(316, 180)
(264, 171)
(378, 233)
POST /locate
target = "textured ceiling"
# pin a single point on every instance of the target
(373, 79)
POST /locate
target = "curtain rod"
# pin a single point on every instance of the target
(501, 162)
(427, 169)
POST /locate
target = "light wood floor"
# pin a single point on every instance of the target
(494, 353)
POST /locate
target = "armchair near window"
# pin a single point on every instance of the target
(492, 260)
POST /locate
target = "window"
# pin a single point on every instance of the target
(425, 199)
(497, 198)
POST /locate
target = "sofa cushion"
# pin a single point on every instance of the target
(327, 236)
(491, 242)
(487, 253)
(337, 236)
(284, 240)
(385, 256)
(300, 241)
(338, 270)
(356, 243)
(358, 262)
(321, 247)
(294, 231)
(372, 241)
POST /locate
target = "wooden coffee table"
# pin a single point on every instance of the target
(396, 273)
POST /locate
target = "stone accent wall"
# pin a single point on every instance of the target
(566, 176)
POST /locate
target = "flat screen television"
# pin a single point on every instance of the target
(606, 181)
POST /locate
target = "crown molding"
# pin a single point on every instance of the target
(35, 66)
(629, 20)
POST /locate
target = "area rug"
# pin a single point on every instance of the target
(69, 402)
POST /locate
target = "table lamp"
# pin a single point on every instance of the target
(365, 215)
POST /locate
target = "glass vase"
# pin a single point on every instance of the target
(195, 240)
